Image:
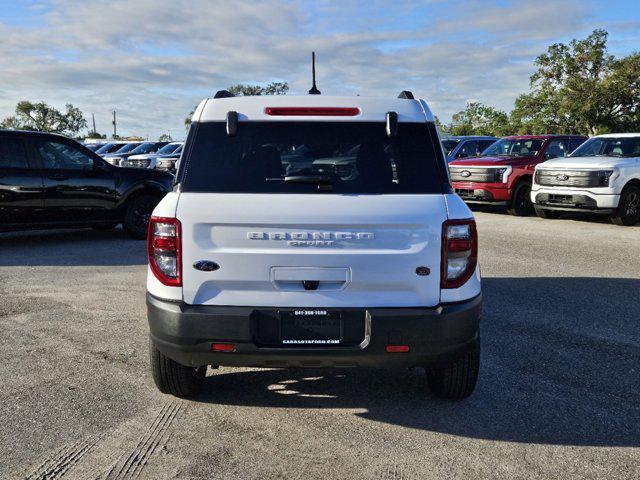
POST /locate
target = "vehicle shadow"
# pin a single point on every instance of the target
(586, 217)
(82, 247)
(559, 366)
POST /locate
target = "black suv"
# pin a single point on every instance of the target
(50, 181)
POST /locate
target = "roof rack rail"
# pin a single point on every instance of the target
(223, 94)
(406, 94)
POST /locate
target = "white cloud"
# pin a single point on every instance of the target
(153, 60)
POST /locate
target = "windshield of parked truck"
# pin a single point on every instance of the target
(109, 148)
(146, 147)
(313, 157)
(514, 148)
(167, 149)
(128, 148)
(609, 147)
(449, 145)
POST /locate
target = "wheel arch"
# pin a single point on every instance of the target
(633, 182)
(525, 177)
(143, 189)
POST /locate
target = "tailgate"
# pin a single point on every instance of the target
(287, 250)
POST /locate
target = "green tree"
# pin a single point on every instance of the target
(45, 118)
(93, 134)
(480, 119)
(442, 128)
(243, 90)
(581, 88)
(273, 88)
(165, 137)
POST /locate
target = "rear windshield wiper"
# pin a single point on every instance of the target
(323, 181)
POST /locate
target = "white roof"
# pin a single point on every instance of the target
(618, 135)
(371, 109)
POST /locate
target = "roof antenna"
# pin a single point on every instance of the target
(314, 90)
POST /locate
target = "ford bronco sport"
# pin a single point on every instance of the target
(313, 231)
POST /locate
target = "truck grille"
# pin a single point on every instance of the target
(574, 178)
(474, 174)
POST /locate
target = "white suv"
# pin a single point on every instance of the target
(313, 231)
(601, 175)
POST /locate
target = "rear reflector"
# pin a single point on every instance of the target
(397, 348)
(313, 111)
(223, 347)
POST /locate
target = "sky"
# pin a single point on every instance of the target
(154, 60)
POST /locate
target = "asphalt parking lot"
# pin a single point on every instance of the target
(558, 395)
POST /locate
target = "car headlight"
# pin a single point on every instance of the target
(165, 164)
(136, 163)
(113, 160)
(502, 174)
(604, 176)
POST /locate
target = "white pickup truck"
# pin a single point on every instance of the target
(313, 231)
(602, 175)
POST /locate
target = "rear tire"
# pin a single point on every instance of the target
(521, 205)
(458, 379)
(548, 214)
(628, 211)
(173, 378)
(137, 214)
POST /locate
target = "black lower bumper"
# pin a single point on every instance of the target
(185, 333)
(578, 203)
(478, 195)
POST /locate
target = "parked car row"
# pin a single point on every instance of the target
(151, 155)
(552, 174)
(164, 158)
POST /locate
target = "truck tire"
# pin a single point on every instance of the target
(628, 211)
(137, 214)
(458, 379)
(521, 205)
(548, 214)
(171, 377)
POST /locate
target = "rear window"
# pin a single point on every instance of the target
(311, 157)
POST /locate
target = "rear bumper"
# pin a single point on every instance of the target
(478, 192)
(185, 333)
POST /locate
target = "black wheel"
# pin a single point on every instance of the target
(137, 214)
(458, 379)
(105, 227)
(521, 205)
(549, 214)
(171, 377)
(628, 211)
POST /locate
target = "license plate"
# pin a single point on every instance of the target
(310, 327)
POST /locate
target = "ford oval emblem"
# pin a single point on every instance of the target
(206, 266)
(562, 178)
(465, 173)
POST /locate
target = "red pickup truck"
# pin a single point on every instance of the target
(503, 173)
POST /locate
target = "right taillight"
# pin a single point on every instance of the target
(459, 252)
(163, 248)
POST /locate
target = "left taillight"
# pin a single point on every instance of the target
(163, 249)
(459, 252)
